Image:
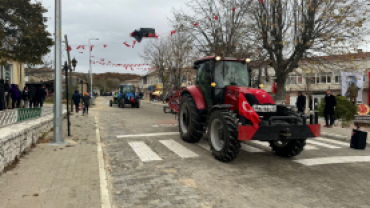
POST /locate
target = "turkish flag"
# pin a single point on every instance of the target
(81, 46)
(235, 9)
(196, 24)
(126, 44)
(274, 88)
(173, 32)
(69, 48)
(91, 47)
(105, 46)
(134, 43)
(216, 17)
(247, 111)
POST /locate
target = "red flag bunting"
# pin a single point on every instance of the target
(133, 44)
(216, 17)
(173, 32)
(91, 47)
(81, 52)
(69, 48)
(105, 46)
(101, 59)
(81, 46)
(236, 8)
(126, 44)
(196, 24)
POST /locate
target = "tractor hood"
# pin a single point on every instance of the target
(253, 95)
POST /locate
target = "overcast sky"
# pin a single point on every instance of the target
(111, 21)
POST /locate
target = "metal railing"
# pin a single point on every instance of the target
(28, 113)
(17, 115)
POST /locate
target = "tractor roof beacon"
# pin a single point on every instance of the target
(223, 104)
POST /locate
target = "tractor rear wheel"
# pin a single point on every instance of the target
(285, 147)
(223, 135)
(189, 120)
(137, 105)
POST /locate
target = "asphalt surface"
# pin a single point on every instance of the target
(152, 167)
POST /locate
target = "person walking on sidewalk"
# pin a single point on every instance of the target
(15, 95)
(26, 97)
(330, 103)
(86, 102)
(41, 94)
(7, 93)
(301, 102)
(76, 99)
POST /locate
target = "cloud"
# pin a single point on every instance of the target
(111, 21)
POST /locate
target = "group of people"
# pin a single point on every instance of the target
(76, 97)
(330, 103)
(32, 97)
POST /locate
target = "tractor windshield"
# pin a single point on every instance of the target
(231, 73)
(127, 88)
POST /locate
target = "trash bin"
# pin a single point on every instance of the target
(358, 139)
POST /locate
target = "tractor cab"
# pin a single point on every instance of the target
(215, 74)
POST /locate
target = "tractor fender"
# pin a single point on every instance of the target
(197, 96)
(221, 106)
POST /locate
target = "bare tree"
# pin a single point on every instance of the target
(219, 27)
(292, 30)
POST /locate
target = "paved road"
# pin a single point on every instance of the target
(152, 167)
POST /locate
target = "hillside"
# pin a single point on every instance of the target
(108, 81)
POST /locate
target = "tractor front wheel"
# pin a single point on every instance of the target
(189, 120)
(137, 105)
(287, 148)
(223, 135)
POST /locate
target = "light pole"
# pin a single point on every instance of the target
(66, 74)
(58, 118)
(90, 63)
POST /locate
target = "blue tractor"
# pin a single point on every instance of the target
(127, 95)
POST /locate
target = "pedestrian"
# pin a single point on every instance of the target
(31, 94)
(26, 97)
(7, 88)
(41, 94)
(301, 102)
(330, 103)
(86, 102)
(20, 96)
(76, 99)
(15, 95)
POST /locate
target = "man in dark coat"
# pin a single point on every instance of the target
(86, 101)
(32, 93)
(330, 103)
(301, 102)
(76, 99)
(42, 94)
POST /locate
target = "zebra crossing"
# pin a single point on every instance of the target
(146, 154)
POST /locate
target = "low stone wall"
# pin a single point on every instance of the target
(18, 138)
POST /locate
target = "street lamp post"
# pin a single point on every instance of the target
(66, 74)
(91, 80)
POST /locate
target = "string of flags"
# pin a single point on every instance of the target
(132, 67)
(144, 33)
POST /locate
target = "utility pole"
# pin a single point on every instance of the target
(58, 118)
(70, 71)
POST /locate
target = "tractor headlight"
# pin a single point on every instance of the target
(218, 58)
(264, 108)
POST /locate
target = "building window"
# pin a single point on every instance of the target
(293, 80)
(7, 72)
(323, 78)
(310, 78)
(337, 78)
(300, 80)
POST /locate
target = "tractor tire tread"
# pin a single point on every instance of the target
(293, 148)
(233, 147)
(194, 134)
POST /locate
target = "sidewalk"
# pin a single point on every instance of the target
(156, 103)
(56, 176)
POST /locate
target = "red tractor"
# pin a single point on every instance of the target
(225, 106)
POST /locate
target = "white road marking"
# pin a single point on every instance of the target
(310, 147)
(248, 148)
(144, 152)
(149, 134)
(178, 149)
(104, 193)
(164, 125)
(205, 146)
(333, 160)
(321, 144)
(332, 141)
